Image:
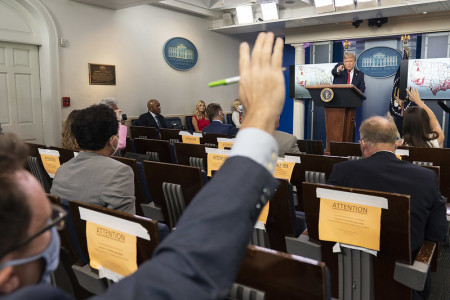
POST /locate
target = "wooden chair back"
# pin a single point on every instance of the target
(143, 132)
(394, 240)
(283, 276)
(145, 247)
(170, 134)
(64, 154)
(280, 221)
(312, 163)
(310, 146)
(33, 149)
(345, 149)
(438, 157)
(185, 151)
(156, 173)
(138, 189)
(211, 138)
(151, 145)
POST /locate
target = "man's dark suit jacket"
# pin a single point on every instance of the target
(383, 171)
(148, 120)
(218, 127)
(341, 78)
(186, 265)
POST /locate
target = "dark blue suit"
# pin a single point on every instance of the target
(383, 171)
(190, 263)
(341, 78)
(218, 127)
(148, 120)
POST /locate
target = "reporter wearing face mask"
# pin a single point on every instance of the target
(92, 176)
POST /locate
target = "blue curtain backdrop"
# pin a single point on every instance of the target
(287, 117)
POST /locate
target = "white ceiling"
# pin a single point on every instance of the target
(293, 13)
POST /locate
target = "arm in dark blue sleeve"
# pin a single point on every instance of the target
(200, 260)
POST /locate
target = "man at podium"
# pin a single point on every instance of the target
(345, 73)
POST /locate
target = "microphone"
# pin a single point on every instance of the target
(444, 106)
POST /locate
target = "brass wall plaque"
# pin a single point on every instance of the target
(102, 74)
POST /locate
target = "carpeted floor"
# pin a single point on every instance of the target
(440, 281)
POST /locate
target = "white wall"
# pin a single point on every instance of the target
(132, 39)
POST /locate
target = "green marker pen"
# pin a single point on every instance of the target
(225, 81)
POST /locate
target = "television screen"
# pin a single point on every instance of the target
(302, 75)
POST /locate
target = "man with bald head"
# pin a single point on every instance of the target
(153, 117)
(381, 170)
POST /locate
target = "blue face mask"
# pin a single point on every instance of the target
(50, 256)
(241, 107)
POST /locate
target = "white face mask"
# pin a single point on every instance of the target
(117, 147)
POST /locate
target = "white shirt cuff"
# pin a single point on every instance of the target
(258, 145)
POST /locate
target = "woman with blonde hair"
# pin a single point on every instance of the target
(68, 140)
(200, 119)
(238, 113)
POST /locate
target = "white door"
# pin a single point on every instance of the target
(20, 93)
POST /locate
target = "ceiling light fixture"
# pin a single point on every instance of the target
(269, 11)
(244, 14)
(324, 6)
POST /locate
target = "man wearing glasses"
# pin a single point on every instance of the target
(188, 264)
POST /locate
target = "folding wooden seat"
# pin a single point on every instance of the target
(172, 187)
(266, 274)
(310, 146)
(432, 157)
(144, 132)
(170, 135)
(156, 150)
(356, 274)
(64, 154)
(312, 168)
(35, 166)
(210, 139)
(147, 238)
(140, 192)
(191, 155)
(352, 150)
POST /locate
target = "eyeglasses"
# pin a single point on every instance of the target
(56, 220)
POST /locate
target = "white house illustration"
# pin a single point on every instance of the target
(380, 60)
(181, 51)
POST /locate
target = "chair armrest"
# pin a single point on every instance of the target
(414, 276)
(153, 212)
(90, 280)
(304, 247)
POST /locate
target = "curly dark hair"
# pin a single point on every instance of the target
(15, 214)
(94, 126)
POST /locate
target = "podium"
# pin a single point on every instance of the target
(340, 102)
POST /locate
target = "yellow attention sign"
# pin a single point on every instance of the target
(350, 223)
(51, 164)
(284, 170)
(264, 214)
(215, 161)
(111, 249)
(188, 139)
(223, 145)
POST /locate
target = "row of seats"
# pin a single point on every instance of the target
(281, 221)
(175, 122)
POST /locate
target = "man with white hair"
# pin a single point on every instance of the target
(113, 104)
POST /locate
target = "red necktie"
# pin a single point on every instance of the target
(348, 78)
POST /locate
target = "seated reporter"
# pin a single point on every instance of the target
(114, 105)
(215, 114)
(188, 264)
(92, 176)
(420, 126)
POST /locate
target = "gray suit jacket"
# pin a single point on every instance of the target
(287, 143)
(96, 179)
